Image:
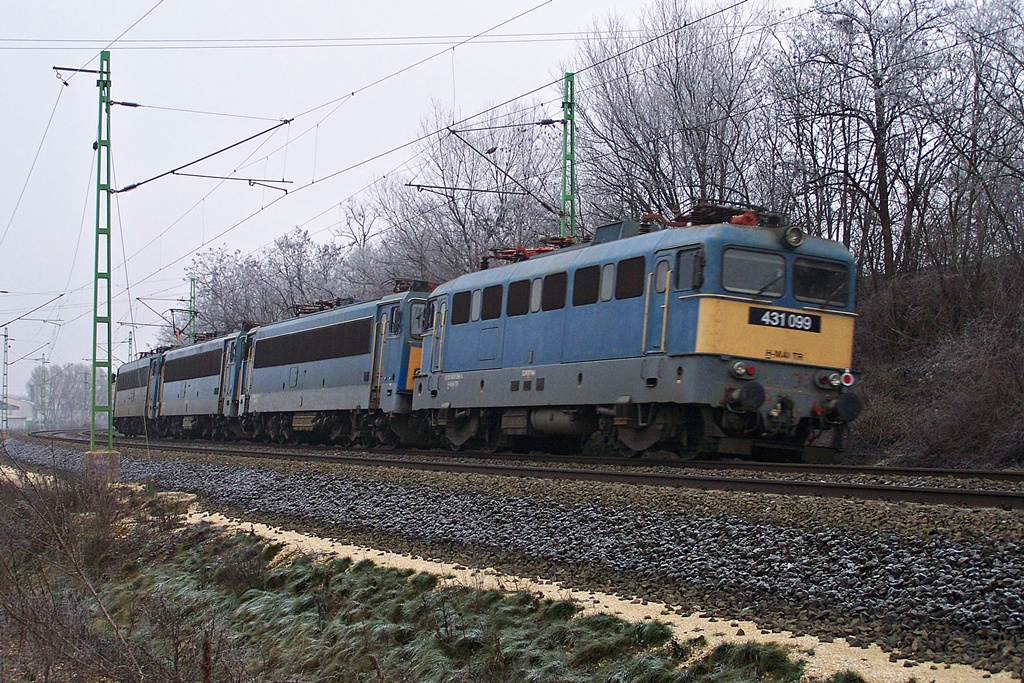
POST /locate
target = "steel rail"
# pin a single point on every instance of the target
(753, 466)
(1006, 500)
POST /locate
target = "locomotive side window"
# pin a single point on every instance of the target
(395, 321)
(460, 307)
(190, 367)
(661, 277)
(341, 340)
(474, 313)
(555, 286)
(491, 303)
(754, 272)
(607, 281)
(689, 269)
(629, 278)
(821, 282)
(518, 298)
(132, 379)
(585, 285)
(535, 287)
(420, 318)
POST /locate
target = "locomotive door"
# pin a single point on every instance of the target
(229, 390)
(656, 317)
(153, 389)
(377, 357)
(437, 347)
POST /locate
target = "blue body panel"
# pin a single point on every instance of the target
(193, 395)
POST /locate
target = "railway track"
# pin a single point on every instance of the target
(665, 473)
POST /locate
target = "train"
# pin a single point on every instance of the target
(721, 332)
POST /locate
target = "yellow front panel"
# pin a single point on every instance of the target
(415, 362)
(723, 329)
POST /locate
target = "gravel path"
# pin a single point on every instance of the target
(933, 583)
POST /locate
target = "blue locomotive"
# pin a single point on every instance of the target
(719, 332)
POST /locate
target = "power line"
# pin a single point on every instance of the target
(427, 59)
(119, 37)
(135, 105)
(132, 186)
(426, 136)
(33, 166)
(276, 43)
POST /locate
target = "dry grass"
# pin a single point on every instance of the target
(102, 583)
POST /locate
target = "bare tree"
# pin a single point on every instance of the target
(480, 186)
(854, 79)
(61, 393)
(233, 289)
(670, 115)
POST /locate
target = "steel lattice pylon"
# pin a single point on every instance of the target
(4, 426)
(101, 327)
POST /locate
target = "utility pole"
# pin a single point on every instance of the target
(131, 334)
(88, 403)
(4, 426)
(567, 225)
(42, 393)
(104, 462)
(192, 311)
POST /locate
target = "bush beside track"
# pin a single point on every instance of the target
(943, 360)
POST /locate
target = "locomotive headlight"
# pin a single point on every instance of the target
(793, 237)
(743, 370)
(828, 380)
(834, 380)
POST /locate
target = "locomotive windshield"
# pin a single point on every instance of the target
(419, 318)
(821, 282)
(754, 272)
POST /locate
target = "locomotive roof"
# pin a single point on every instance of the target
(717, 235)
(360, 309)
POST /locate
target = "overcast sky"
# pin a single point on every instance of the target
(247, 58)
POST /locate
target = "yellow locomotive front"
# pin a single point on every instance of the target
(772, 339)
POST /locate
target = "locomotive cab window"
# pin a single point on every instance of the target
(460, 307)
(754, 272)
(661, 277)
(585, 285)
(491, 303)
(518, 298)
(821, 282)
(474, 313)
(607, 281)
(419, 319)
(553, 296)
(395, 321)
(629, 278)
(535, 288)
(689, 269)
(429, 316)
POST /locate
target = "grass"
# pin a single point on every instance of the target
(106, 583)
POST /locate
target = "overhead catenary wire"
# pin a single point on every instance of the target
(182, 110)
(420, 139)
(121, 35)
(32, 167)
(286, 43)
(133, 186)
(426, 136)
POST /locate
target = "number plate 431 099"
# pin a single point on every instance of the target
(804, 322)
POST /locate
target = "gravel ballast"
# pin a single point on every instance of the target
(932, 583)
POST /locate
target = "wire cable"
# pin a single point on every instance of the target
(33, 166)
